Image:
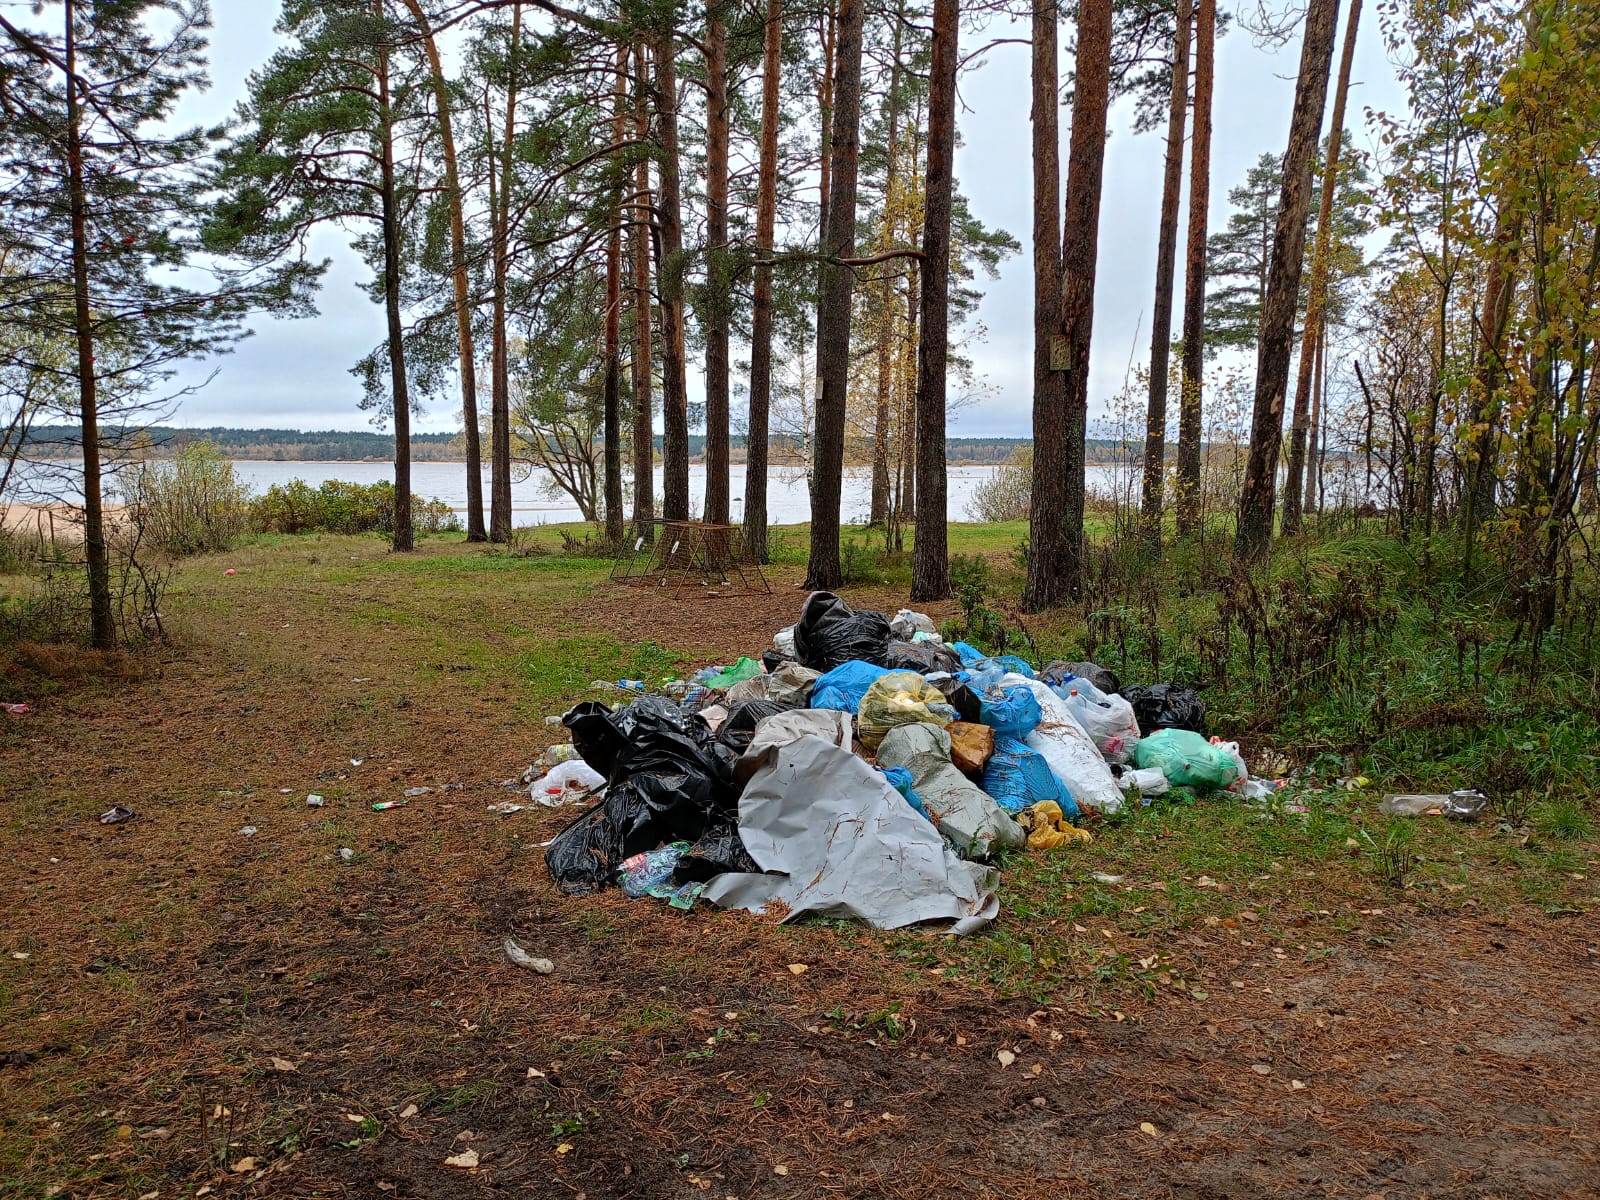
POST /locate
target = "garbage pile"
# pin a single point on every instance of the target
(862, 768)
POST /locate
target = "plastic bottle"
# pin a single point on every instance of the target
(631, 685)
(643, 871)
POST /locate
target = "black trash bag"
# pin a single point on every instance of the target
(719, 849)
(925, 658)
(1166, 706)
(744, 716)
(967, 703)
(772, 660)
(830, 633)
(666, 783)
(595, 735)
(1105, 680)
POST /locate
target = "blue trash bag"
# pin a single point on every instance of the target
(969, 654)
(900, 779)
(1018, 777)
(1016, 715)
(842, 688)
(1012, 663)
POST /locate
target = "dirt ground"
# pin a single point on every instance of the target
(188, 1010)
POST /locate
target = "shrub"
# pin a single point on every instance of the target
(340, 507)
(190, 505)
(1007, 496)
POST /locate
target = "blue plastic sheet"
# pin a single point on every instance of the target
(842, 688)
(1016, 714)
(1012, 663)
(1018, 777)
(969, 654)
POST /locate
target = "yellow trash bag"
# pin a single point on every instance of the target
(900, 698)
(1048, 828)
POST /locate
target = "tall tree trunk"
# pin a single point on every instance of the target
(1317, 298)
(1048, 393)
(883, 417)
(613, 324)
(1155, 426)
(1055, 565)
(930, 564)
(500, 232)
(458, 277)
(1283, 286)
(1192, 401)
(830, 46)
(669, 282)
(403, 539)
(838, 281)
(719, 274)
(1313, 471)
(755, 470)
(102, 626)
(1499, 286)
(644, 445)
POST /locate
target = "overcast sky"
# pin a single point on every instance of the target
(295, 374)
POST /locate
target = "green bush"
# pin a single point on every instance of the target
(191, 504)
(339, 507)
(1008, 494)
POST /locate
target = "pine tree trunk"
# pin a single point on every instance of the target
(1192, 401)
(756, 448)
(458, 278)
(1048, 394)
(1256, 506)
(1055, 565)
(719, 276)
(613, 325)
(500, 391)
(669, 282)
(1313, 465)
(644, 448)
(1155, 427)
(403, 538)
(833, 325)
(102, 625)
(883, 417)
(930, 564)
(1317, 297)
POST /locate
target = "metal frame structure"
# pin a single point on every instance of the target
(692, 554)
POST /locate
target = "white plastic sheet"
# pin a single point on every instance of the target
(1069, 750)
(839, 841)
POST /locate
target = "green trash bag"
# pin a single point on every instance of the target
(1186, 759)
(745, 668)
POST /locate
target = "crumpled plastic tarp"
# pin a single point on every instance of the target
(836, 839)
(1069, 750)
(830, 632)
(843, 687)
(827, 723)
(975, 825)
(791, 684)
(898, 698)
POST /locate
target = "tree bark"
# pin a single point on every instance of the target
(644, 446)
(755, 470)
(458, 277)
(1499, 286)
(1254, 533)
(833, 324)
(403, 538)
(500, 392)
(613, 323)
(719, 275)
(883, 416)
(1048, 394)
(1317, 298)
(1055, 566)
(930, 563)
(1155, 426)
(669, 283)
(102, 625)
(1192, 401)
(1319, 383)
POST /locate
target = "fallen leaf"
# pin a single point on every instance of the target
(466, 1160)
(243, 1165)
(283, 1064)
(1006, 1057)
(1296, 1085)
(1148, 1129)
(385, 1186)
(124, 1132)
(780, 1169)
(798, 968)
(1261, 1068)
(408, 1111)
(535, 1073)
(564, 1148)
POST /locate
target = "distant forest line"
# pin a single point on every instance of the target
(339, 445)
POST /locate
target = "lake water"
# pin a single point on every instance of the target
(788, 501)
